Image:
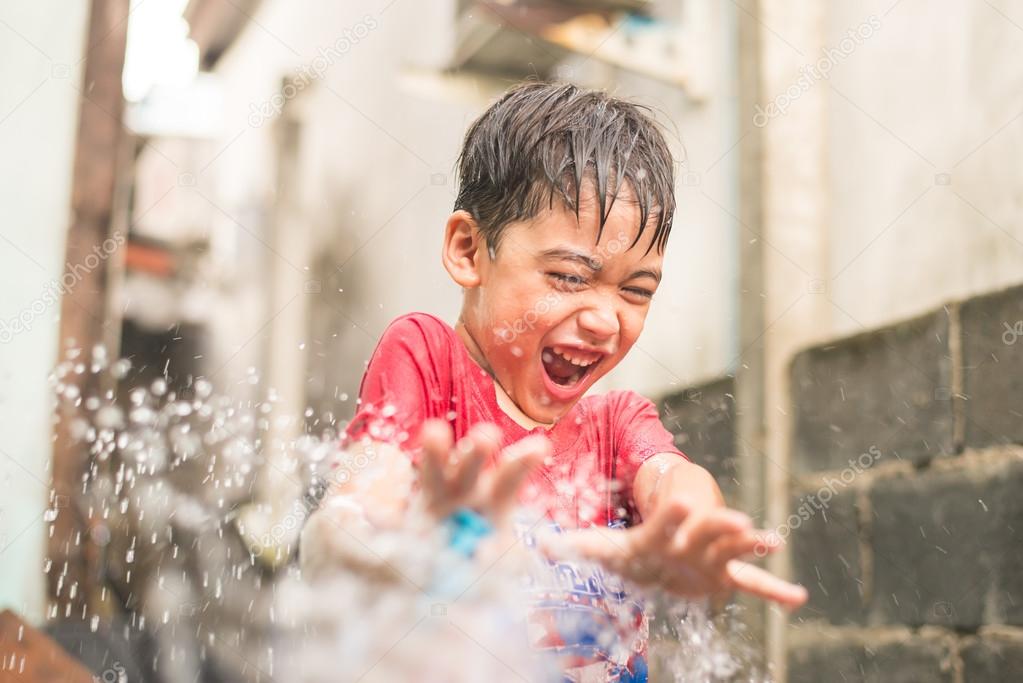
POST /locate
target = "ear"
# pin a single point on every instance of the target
(463, 249)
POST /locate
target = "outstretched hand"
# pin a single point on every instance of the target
(453, 475)
(688, 553)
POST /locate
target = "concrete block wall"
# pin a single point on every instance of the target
(702, 418)
(906, 495)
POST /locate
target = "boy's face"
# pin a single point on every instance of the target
(555, 310)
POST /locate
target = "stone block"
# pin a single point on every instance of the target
(992, 343)
(994, 656)
(867, 656)
(946, 544)
(890, 389)
(824, 539)
(702, 418)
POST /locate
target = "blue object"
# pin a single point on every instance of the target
(466, 528)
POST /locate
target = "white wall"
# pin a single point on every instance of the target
(935, 91)
(375, 137)
(41, 44)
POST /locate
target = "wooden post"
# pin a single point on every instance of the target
(90, 247)
(30, 656)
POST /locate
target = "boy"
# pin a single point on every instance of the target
(565, 204)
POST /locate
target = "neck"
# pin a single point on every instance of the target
(504, 400)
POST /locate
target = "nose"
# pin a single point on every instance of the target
(599, 322)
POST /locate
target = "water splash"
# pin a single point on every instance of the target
(694, 646)
(201, 551)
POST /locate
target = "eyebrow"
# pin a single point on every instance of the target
(589, 261)
(655, 274)
(563, 254)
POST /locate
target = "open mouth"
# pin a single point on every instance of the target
(567, 366)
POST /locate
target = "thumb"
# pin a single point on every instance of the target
(595, 544)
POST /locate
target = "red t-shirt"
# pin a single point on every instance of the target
(421, 370)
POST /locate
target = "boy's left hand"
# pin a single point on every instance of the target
(453, 475)
(689, 553)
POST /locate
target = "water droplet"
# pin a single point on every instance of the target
(121, 368)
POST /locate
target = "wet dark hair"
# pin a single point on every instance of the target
(543, 141)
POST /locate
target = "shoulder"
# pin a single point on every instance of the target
(620, 403)
(634, 426)
(418, 328)
(421, 321)
(421, 339)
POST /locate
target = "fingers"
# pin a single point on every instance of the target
(595, 544)
(736, 546)
(435, 439)
(469, 455)
(700, 531)
(517, 461)
(449, 475)
(665, 522)
(759, 582)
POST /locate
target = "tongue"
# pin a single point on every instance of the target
(560, 370)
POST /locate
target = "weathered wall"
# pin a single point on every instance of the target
(41, 48)
(915, 124)
(904, 508)
(906, 513)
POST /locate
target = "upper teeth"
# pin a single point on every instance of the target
(576, 357)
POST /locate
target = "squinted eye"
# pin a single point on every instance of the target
(639, 292)
(567, 280)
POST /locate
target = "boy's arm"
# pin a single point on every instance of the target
(666, 476)
(359, 501)
(688, 543)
